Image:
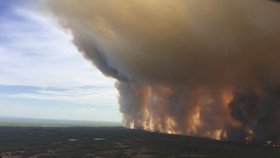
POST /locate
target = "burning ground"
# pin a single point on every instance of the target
(201, 68)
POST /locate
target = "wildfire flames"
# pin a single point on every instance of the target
(201, 68)
(156, 111)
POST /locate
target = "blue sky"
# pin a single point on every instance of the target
(42, 75)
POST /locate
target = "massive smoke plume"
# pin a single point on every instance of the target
(206, 68)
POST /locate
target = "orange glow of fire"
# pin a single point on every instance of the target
(156, 117)
(170, 126)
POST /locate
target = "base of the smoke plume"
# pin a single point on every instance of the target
(223, 114)
(180, 110)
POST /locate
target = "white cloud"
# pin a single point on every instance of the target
(35, 52)
(90, 96)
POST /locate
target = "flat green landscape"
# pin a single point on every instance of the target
(118, 142)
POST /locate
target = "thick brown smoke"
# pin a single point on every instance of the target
(207, 68)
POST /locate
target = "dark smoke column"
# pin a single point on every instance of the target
(206, 68)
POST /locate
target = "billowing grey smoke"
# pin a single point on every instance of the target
(207, 68)
(258, 112)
